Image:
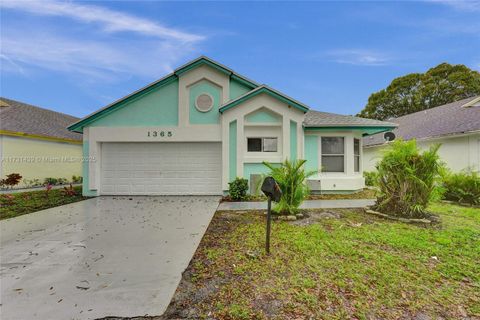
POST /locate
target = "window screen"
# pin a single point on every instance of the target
(356, 154)
(270, 144)
(333, 154)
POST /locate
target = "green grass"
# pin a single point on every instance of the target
(362, 194)
(17, 204)
(355, 267)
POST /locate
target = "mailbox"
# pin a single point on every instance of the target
(271, 189)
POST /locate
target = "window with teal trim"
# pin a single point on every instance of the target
(356, 154)
(333, 154)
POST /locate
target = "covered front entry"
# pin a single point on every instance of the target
(161, 168)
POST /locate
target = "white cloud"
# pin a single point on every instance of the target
(112, 21)
(461, 5)
(359, 57)
(95, 59)
(150, 50)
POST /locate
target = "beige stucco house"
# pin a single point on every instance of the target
(456, 126)
(35, 143)
(196, 129)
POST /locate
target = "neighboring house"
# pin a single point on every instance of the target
(455, 125)
(35, 143)
(201, 126)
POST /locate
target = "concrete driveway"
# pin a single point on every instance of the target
(108, 256)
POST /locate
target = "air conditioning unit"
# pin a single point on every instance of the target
(255, 181)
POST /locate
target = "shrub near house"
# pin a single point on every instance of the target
(406, 179)
(11, 181)
(237, 189)
(463, 187)
(16, 204)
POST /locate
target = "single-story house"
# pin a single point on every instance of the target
(35, 143)
(201, 126)
(456, 126)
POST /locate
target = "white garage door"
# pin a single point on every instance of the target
(161, 168)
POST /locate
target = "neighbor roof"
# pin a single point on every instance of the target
(202, 60)
(19, 117)
(458, 117)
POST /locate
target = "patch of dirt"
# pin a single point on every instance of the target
(269, 306)
(366, 193)
(313, 216)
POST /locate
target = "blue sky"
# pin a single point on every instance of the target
(76, 57)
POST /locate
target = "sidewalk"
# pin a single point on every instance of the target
(307, 204)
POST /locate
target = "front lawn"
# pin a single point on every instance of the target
(336, 264)
(17, 204)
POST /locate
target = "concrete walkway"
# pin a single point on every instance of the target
(307, 204)
(107, 256)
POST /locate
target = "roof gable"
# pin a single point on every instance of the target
(267, 90)
(78, 126)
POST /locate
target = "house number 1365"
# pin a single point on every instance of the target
(159, 134)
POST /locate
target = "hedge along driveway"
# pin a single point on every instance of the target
(20, 203)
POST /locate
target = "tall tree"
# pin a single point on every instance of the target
(414, 92)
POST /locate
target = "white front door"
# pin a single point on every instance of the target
(180, 168)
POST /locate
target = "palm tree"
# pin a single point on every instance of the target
(291, 178)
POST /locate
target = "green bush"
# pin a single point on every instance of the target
(292, 180)
(62, 181)
(238, 189)
(371, 178)
(32, 183)
(407, 179)
(51, 181)
(463, 187)
(77, 179)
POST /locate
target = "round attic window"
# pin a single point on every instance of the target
(204, 102)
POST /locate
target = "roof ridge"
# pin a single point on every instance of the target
(37, 107)
(74, 126)
(446, 105)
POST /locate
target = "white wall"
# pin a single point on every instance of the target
(459, 152)
(281, 131)
(349, 180)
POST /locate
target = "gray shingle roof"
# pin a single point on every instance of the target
(325, 119)
(21, 117)
(449, 119)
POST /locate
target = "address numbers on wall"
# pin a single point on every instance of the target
(161, 134)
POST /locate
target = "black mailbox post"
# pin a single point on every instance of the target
(271, 189)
